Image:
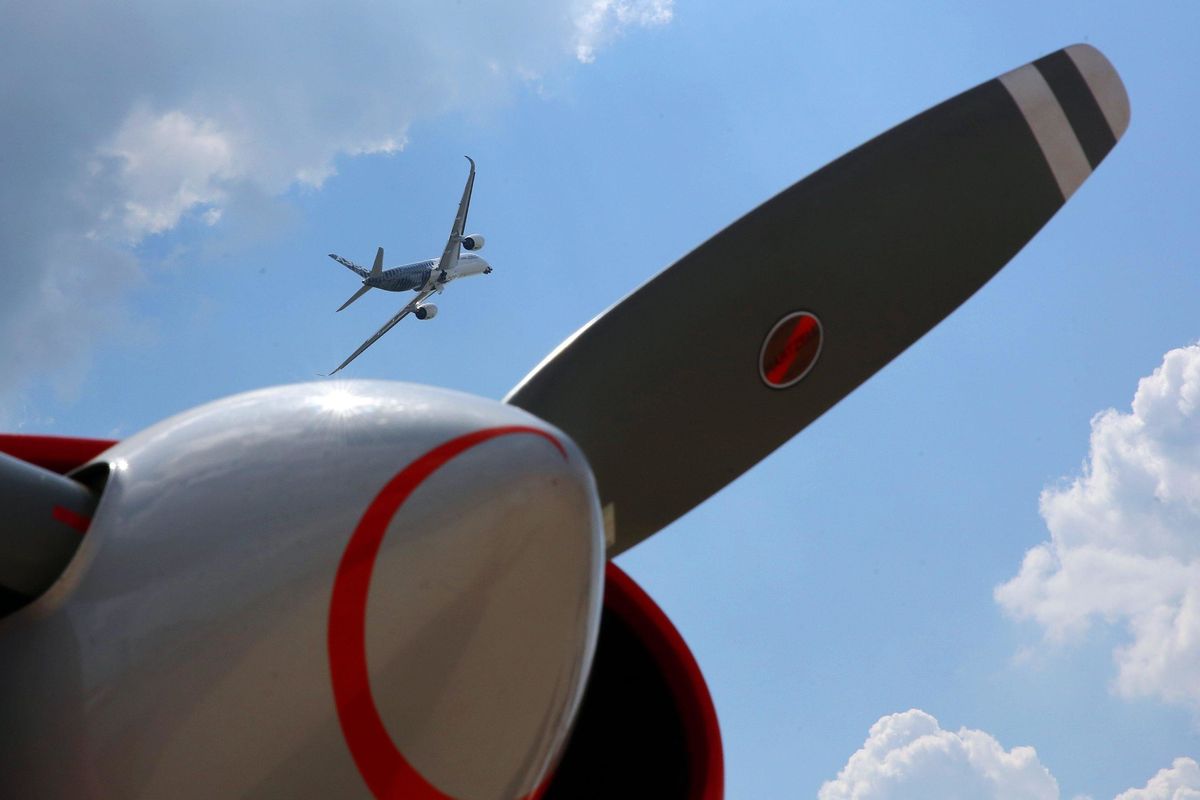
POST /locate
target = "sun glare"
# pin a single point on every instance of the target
(341, 402)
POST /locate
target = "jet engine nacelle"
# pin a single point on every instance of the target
(321, 590)
(473, 242)
(427, 311)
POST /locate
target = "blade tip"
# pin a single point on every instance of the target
(1106, 85)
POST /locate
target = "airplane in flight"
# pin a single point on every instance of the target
(378, 589)
(423, 277)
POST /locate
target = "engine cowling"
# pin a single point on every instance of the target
(473, 242)
(647, 726)
(641, 668)
(314, 590)
(427, 311)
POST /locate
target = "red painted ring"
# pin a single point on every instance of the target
(628, 601)
(56, 453)
(383, 767)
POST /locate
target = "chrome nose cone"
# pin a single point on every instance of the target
(421, 597)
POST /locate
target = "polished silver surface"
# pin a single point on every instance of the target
(43, 516)
(186, 650)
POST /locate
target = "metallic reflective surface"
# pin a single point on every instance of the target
(184, 652)
(42, 518)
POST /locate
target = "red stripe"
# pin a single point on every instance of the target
(68, 517)
(386, 772)
(791, 351)
(57, 453)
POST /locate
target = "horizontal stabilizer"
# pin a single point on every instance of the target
(355, 296)
(350, 265)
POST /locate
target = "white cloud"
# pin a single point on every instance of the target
(121, 121)
(599, 21)
(165, 165)
(1181, 781)
(908, 755)
(1124, 543)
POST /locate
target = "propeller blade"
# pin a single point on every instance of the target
(693, 378)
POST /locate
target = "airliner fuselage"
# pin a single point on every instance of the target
(411, 277)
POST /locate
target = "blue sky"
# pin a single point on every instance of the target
(175, 179)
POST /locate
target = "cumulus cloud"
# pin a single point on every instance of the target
(602, 20)
(908, 755)
(164, 165)
(1124, 544)
(124, 121)
(1181, 781)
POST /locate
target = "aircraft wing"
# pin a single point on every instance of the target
(450, 254)
(387, 326)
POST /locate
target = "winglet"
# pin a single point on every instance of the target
(468, 158)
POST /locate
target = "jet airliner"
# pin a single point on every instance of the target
(423, 277)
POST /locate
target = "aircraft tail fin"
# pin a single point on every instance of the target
(350, 265)
(377, 267)
(355, 296)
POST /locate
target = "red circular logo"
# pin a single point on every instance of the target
(384, 768)
(790, 349)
